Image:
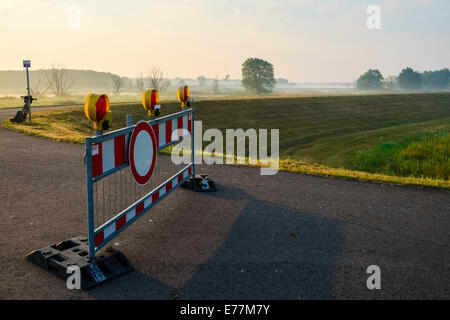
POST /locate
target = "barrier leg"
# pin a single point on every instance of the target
(201, 182)
(57, 258)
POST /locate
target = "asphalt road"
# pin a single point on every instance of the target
(287, 236)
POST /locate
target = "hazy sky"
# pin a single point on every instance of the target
(305, 40)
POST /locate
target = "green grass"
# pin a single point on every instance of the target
(422, 155)
(10, 102)
(334, 132)
(79, 98)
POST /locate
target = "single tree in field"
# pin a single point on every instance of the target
(155, 78)
(201, 81)
(257, 76)
(409, 79)
(117, 84)
(59, 81)
(371, 80)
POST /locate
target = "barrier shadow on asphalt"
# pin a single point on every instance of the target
(135, 285)
(271, 252)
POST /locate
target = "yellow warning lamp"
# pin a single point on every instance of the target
(183, 97)
(97, 110)
(150, 102)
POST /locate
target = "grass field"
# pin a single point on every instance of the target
(404, 135)
(424, 154)
(9, 102)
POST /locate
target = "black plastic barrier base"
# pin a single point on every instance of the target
(200, 183)
(57, 258)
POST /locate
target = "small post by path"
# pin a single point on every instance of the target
(26, 65)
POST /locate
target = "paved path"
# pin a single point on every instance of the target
(289, 236)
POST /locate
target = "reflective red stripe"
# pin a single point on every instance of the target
(155, 196)
(119, 151)
(99, 237)
(180, 178)
(190, 170)
(168, 131)
(121, 222)
(139, 208)
(168, 186)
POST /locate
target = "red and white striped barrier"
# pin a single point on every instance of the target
(119, 223)
(110, 153)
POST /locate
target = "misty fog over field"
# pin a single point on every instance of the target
(13, 83)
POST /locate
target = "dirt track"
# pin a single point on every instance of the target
(284, 237)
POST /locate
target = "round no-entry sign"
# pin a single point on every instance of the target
(142, 153)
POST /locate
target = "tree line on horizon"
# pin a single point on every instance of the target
(257, 78)
(408, 79)
(60, 81)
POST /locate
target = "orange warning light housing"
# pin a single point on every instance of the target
(97, 109)
(150, 102)
(183, 97)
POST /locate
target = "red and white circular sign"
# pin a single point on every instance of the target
(142, 153)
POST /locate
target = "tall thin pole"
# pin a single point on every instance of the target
(29, 97)
(90, 199)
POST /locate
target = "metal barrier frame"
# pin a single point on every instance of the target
(99, 237)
